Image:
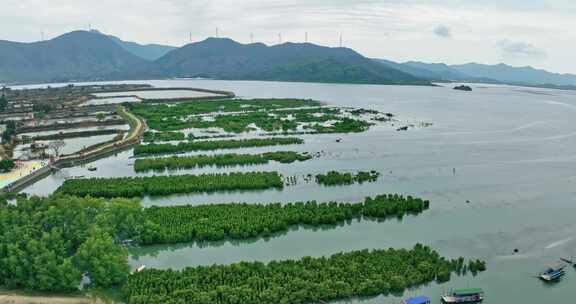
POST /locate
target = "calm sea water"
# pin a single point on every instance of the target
(509, 151)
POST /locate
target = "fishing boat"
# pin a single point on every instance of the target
(417, 300)
(553, 272)
(468, 295)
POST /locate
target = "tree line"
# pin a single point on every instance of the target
(173, 184)
(173, 224)
(306, 280)
(218, 160)
(214, 145)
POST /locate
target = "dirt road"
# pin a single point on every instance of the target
(7, 298)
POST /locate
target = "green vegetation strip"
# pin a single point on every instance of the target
(334, 178)
(163, 136)
(173, 184)
(219, 160)
(241, 221)
(307, 280)
(214, 145)
(178, 136)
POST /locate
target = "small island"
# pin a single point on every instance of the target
(463, 88)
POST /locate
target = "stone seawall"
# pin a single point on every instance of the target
(74, 125)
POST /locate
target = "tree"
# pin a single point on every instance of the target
(104, 261)
(56, 146)
(123, 219)
(6, 165)
(42, 108)
(100, 116)
(3, 103)
(10, 131)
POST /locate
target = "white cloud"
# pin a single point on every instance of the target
(516, 49)
(442, 31)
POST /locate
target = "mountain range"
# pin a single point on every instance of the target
(227, 59)
(82, 55)
(91, 55)
(474, 72)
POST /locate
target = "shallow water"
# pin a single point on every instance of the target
(507, 150)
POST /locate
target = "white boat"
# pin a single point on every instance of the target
(469, 295)
(553, 272)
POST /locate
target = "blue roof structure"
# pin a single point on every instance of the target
(418, 300)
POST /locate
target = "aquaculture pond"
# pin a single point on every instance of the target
(497, 165)
(111, 100)
(72, 145)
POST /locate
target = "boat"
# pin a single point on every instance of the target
(417, 300)
(468, 295)
(92, 168)
(553, 272)
(141, 268)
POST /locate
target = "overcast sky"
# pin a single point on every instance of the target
(541, 33)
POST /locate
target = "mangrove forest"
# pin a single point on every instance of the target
(214, 145)
(172, 184)
(173, 224)
(218, 160)
(306, 280)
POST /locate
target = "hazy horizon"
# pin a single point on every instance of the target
(441, 31)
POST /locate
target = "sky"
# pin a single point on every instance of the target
(540, 33)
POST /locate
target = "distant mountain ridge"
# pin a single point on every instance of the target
(500, 73)
(519, 75)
